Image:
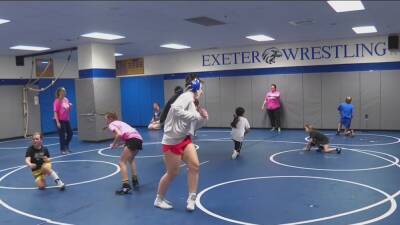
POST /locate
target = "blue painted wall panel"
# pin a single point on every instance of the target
(46, 99)
(137, 97)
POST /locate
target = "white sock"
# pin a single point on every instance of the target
(159, 197)
(192, 195)
(55, 177)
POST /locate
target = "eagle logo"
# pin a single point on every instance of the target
(270, 54)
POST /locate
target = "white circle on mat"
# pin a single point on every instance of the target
(117, 169)
(391, 210)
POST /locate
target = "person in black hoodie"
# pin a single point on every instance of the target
(178, 91)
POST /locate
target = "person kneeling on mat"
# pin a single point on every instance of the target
(318, 139)
(37, 157)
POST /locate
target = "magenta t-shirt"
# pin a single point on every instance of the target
(272, 99)
(127, 131)
(62, 108)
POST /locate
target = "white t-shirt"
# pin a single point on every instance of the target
(238, 132)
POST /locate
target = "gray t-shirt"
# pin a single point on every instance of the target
(238, 132)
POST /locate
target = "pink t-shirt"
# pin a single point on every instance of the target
(62, 108)
(272, 99)
(127, 131)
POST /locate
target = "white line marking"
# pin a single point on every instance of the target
(392, 163)
(393, 204)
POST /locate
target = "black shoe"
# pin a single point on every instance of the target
(338, 150)
(60, 184)
(320, 149)
(125, 189)
(135, 182)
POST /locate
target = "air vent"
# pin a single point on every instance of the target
(302, 22)
(205, 21)
(124, 43)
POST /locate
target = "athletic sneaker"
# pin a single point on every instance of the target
(235, 154)
(135, 182)
(337, 133)
(191, 202)
(60, 184)
(162, 203)
(273, 128)
(67, 149)
(338, 150)
(279, 129)
(125, 189)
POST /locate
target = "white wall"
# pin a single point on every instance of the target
(349, 52)
(8, 69)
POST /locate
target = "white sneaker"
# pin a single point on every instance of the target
(235, 154)
(279, 129)
(162, 204)
(60, 185)
(191, 203)
(273, 128)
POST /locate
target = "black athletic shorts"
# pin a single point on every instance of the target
(134, 144)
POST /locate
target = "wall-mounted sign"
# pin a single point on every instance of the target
(44, 67)
(130, 66)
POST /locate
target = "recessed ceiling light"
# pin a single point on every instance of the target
(118, 54)
(260, 37)
(346, 6)
(4, 21)
(365, 29)
(175, 46)
(102, 36)
(29, 48)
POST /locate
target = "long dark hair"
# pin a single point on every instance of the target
(238, 112)
(189, 78)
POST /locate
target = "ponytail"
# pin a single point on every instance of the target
(235, 121)
(238, 112)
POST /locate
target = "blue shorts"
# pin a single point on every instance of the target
(346, 122)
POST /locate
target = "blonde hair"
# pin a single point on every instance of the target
(111, 116)
(38, 133)
(348, 99)
(59, 90)
(309, 127)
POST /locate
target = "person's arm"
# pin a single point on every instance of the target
(179, 110)
(46, 157)
(247, 127)
(277, 95)
(117, 138)
(352, 109)
(263, 105)
(28, 162)
(308, 145)
(56, 107)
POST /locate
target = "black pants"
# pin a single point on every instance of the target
(65, 134)
(238, 145)
(275, 117)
